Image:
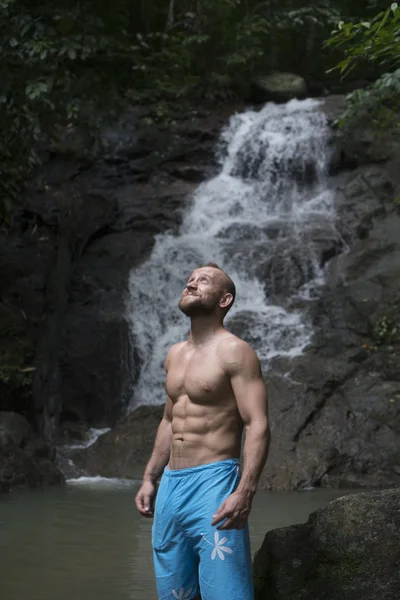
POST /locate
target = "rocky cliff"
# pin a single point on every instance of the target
(335, 410)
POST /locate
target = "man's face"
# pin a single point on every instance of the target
(202, 293)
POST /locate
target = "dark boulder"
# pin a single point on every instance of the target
(24, 456)
(14, 429)
(347, 551)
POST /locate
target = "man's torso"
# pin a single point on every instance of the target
(206, 423)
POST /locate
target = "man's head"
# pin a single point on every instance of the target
(209, 291)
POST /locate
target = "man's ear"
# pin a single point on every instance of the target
(226, 300)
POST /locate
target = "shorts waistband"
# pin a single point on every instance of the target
(229, 462)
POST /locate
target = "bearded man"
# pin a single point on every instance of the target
(214, 385)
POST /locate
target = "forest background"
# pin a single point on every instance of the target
(81, 64)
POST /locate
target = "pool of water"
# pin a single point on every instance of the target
(86, 541)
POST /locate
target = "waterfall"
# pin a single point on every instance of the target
(265, 219)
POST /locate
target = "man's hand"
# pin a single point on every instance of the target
(235, 509)
(145, 499)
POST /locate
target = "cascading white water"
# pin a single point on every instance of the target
(256, 219)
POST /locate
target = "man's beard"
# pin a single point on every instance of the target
(197, 308)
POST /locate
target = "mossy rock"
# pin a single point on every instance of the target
(278, 87)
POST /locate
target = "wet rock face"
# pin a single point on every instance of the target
(64, 269)
(98, 360)
(347, 551)
(335, 411)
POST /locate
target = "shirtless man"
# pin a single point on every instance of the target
(200, 533)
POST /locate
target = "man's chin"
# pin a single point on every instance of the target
(188, 308)
(191, 305)
(194, 308)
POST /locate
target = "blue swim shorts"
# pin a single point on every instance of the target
(190, 556)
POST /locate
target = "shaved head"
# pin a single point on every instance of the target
(226, 282)
(209, 290)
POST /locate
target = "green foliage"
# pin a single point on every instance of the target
(200, 53)
(374, 41)
(319, 15)
(57, 64)
(378, 104)
(66, 64)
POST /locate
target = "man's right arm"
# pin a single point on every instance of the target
(162, 446)
(159, 459)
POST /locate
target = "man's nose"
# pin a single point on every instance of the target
(191, 286)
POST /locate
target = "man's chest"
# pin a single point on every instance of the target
(199, 376)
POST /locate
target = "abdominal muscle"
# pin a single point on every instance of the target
(203, 433)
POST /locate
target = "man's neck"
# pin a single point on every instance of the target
(204, 330)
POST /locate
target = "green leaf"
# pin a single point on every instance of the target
(385, 18)
(25, 29)
(72, 53)
(65, 24)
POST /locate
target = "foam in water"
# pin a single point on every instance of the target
(256, 219)
(102, 482)
(93, 435)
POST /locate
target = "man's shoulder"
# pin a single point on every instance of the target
(173, 351)
(176, 347)
(233, 349)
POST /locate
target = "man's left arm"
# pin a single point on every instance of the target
(250, 393)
